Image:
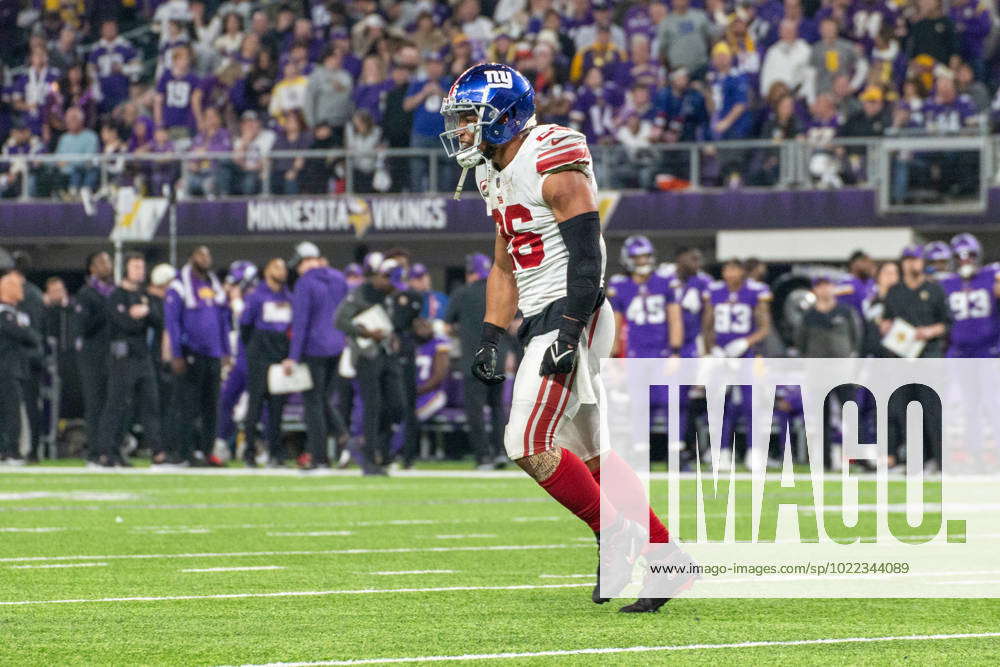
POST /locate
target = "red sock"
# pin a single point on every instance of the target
(575, 489)
(628, 495)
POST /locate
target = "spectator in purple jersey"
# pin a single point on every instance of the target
(34, 92)
(372, 87)
(949, 112)
(643, 17)
(206, 177)
(860, 284)
(141, 134)
(176, 37)
(178, 98)
(15, 172)
(602, 53)
(342, 43)
(302, 35)
(836, 11)
(805, 27)
(973, 24)
(115, 64)
(594, 110)
(639, 68)
(737, 313)
(867, 19)
(293, 136)
(162, 174)
(972, 293)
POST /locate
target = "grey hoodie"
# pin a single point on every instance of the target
(328, 97)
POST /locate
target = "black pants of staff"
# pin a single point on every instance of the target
(411, 425)
(321, 419)
(196, 405)
(477, 397)
(381, 383)
(930, 404)
(133, 388)
(257, 396)
(93, 365)
(10, 415)
(29, 391)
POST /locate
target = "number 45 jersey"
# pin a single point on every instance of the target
(975, 327)
(643, 305)
(525, 221)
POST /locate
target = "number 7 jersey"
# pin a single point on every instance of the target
(525, 221)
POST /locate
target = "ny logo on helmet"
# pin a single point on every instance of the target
(499, 78)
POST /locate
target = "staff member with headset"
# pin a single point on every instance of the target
(91, 325)
(18, 341)
(264, 326)
(315, 342)
(131, 377)
(197, 322)
(380, 376)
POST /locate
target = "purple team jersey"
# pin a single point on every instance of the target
(975, 326)
(644, 309)
(177, 91)
(853, 292)
(430, 403)
(690, 294)
(734, 310)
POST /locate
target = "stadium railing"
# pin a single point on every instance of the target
(905, 170)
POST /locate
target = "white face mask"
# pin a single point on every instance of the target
(966, 270)
(644, 270)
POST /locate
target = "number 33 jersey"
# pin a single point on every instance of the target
(525, 221)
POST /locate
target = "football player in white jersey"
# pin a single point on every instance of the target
(539, 186)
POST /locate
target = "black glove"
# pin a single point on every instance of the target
(560, 357)
(484, 364)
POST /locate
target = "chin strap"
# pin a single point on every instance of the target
(461, 183)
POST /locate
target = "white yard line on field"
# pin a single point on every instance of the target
(51, 566)
(303, 552)
(32, 530)
(591, 575)
(635, 649)
(290, 594)
(314, 533)
(466, 536)
(387, 574)
(256, 568)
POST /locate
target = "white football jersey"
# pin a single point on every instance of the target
(523, 218)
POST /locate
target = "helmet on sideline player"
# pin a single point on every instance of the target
(938, 255)
(241, 273)
(637, 246)
(503, 103)
(967, 253)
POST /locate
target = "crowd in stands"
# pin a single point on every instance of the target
(251, 77)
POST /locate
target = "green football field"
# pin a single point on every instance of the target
(233, 569)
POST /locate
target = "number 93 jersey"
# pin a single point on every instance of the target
(523, 218)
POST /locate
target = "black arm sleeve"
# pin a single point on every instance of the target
(582, 235)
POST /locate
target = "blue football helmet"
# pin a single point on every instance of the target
(242, 273)
(503, 102)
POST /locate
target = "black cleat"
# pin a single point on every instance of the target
(625, 541)
(676, 583)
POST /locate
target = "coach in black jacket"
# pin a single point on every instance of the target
(132, 378)
(91, 325)
(18, 341)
